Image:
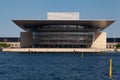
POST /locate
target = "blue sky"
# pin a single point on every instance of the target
(37, 9)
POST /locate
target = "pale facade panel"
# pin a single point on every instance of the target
(99, 41)
(63, 16)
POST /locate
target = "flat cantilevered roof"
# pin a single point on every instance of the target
(97, 24)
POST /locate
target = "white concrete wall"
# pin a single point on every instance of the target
(52, 50)
(99, 40)
(26, 39)
(63, 16)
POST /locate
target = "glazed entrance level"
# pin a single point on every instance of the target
(62, 33)
(62, 40)
(62, 36)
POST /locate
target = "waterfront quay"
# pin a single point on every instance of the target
(57, 50)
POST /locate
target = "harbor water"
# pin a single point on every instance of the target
(58, 66)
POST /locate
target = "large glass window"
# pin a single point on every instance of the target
(63, 36)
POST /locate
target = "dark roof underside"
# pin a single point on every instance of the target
(97, 24)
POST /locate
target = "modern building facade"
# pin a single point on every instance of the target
(63, 30)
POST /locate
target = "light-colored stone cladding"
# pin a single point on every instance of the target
(99, 40)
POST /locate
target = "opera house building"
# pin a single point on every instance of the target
(63, 30)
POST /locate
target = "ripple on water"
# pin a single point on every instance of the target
(22, 66)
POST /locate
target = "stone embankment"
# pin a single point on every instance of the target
(56, 50)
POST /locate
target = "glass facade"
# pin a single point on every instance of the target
(62, 36)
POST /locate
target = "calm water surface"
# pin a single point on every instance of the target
(58, 66)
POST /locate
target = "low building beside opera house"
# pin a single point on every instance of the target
(63, 30)
(13, 42)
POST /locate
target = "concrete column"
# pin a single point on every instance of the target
(26, 39)
(99, 41)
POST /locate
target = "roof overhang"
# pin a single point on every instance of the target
(97, 24)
